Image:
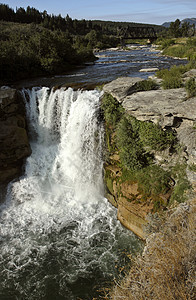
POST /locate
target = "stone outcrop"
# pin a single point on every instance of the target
(14, 144)
(121, 87)
(168, 108)
(171, 110)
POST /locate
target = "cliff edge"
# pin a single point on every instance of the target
(151, 149)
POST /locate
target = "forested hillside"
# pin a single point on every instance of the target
(34, 43)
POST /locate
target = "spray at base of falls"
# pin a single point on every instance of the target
(59, 235)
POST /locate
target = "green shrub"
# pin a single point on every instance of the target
(131, 152)
(192, 167)
(154, 137)
(190, 87)
(191, 42)
(151, 136)
(147, 85)
(182, 184)
(174, 71)
(171, 83)
(187, 50)
(166, 43)
(136, 138)
(153, 180)
(112, 109)
(162, 73)
(176, 51)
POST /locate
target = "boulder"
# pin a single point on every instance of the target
(190, 73)
(149, 70)
(161, 106)
(121, 87)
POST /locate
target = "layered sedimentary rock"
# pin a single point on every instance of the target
(170, 110)
(14, 144)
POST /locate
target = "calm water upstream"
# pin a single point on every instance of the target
(59, 236)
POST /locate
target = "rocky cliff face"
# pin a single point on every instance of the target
(14, 145)
(172, 111)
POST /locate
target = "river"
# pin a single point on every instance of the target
(60, 238)
(110, 65)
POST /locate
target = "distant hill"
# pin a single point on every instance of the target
(191, 21)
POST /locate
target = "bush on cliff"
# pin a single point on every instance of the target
(131, 152)
(112, 110)
(135, 139)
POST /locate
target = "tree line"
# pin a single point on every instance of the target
(78, 27)
(179, 29)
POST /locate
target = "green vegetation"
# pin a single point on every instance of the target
(190, 87)
(132, 154)
(112, 109)
(147, 85)
(182, 184)
(135, 140)
(179, 47)
(172, 83)
(192, 167)
(173, 78)
(31, 50)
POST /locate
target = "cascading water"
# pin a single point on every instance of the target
(59, 236)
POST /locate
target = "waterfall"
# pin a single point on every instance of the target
(59, 235)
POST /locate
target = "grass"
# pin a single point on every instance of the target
(172, 78)
(166, 269)
(182, 184)
(179, 47)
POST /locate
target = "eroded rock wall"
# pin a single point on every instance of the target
(171, 110)
(14, 144)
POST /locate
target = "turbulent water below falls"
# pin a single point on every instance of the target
(59, 236)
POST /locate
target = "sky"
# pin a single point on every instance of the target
(141, 11)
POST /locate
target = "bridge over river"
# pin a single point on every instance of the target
(128, 32)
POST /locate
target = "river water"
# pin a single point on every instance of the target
(59, 236)
(110, 65)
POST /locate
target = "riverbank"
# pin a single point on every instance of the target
(178, 47)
